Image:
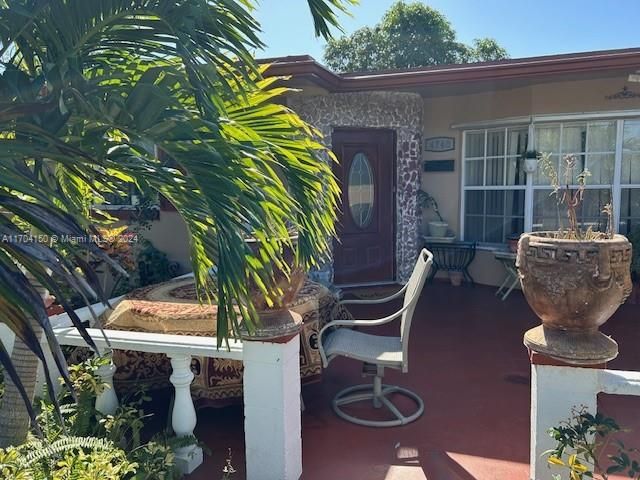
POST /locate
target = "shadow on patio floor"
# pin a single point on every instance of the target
(468, 364)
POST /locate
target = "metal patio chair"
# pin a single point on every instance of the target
(377, 352)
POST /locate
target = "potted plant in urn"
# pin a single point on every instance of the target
(437, 228)
(574, 279)
(276, 323)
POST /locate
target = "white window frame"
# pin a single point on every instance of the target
(533, 121)
(621, 186)
(484, 188)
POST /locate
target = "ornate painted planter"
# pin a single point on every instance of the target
(574, 287)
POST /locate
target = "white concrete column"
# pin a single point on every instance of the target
(107, 400)
(272, 424)
(183, 416)
(555, 391)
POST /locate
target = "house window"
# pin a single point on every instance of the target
(630, 177)
(594, 146)
(494, 184)
(499, 200)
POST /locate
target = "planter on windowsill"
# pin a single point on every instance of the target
(530, 158)
(574, 286)
(438, 229)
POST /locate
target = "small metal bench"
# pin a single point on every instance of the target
(452, 257)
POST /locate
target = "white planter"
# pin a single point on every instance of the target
(438, 229)
(530, 165)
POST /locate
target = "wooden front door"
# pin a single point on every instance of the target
(364, 249)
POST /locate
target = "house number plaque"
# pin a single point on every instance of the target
(439, 144)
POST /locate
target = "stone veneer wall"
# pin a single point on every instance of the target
(398, 111)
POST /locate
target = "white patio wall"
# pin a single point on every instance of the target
(556, 390)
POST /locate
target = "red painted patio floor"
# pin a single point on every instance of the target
(468, 364)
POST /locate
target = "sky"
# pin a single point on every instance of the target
(524, 27)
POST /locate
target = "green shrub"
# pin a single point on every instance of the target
(81, 443)
(584, 443)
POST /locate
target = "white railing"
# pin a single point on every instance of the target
(179, 349)
(271, 386)
(556, 390)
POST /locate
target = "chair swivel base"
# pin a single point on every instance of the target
(360, 393)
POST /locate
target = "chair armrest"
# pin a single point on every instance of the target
(355, 323)
(375, 300)
(371, 323)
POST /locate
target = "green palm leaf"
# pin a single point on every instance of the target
(91, 91)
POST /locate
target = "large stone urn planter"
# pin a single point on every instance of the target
(276, 322)
(574, 286)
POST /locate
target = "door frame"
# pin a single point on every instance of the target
(393, 199)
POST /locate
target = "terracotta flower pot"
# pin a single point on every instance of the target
(288, 284)
(574, 287)
(276, 326)
(276, 322)
(456, 278)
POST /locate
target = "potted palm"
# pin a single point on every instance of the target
(437, 228)
(574, 279)
(276, 323)
(177, 117)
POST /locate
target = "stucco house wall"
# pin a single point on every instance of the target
(169, 234)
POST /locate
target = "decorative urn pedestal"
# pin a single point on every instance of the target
(574, 286)
(272, 397)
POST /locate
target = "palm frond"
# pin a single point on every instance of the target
(324, 13)
(91, 91)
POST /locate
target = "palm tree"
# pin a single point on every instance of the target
(90, 92)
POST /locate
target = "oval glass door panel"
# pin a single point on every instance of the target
(361, 190)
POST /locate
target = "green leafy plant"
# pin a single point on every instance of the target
(153, 266)
(164, 95)
(569, 193)
(66, 458)
(426, 201)
(582, 445)
(82, 443)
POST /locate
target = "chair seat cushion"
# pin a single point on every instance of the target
(361, 346)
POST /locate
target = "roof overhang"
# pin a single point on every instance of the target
(305, 68)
